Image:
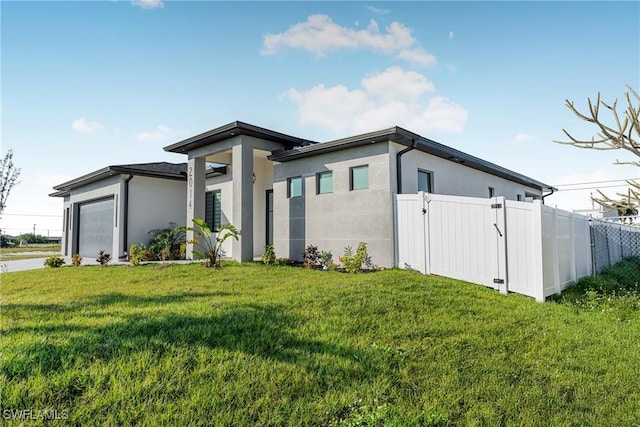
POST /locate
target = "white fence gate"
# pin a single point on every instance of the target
(527, 248)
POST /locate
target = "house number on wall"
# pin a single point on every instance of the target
(190, 185)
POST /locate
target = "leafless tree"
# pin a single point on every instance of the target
(619, 132)
(9, 174)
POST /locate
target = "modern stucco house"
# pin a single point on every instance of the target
(286, 191)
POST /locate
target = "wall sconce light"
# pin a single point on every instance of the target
(253, 178)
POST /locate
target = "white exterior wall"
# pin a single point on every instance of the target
(154, 203)
(452, 178)
(342, 218)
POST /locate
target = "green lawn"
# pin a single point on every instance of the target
(257, 345)
(38, 250)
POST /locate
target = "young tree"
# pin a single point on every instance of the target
(9, 175)
(622, 134)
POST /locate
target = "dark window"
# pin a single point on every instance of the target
(360, 177)
(425, 181)
(324, 182)
(492, 192)
(213, 209)
(519, 197)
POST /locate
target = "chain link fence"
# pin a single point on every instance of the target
(614, 240)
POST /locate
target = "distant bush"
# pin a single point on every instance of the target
(53, 262)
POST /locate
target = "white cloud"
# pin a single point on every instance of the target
(395, 83)
(319, 35)
(417, 56)
(159, 134)
(392, 97)
(331, 108)
(377, 11)
(148, 4)
(83, 125)
(523, 138)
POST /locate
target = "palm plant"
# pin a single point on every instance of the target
(211, 248)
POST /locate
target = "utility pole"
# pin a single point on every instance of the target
(34, 230)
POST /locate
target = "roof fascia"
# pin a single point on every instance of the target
(233, 129)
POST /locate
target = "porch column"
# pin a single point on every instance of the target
(242, 166)
(195, 196)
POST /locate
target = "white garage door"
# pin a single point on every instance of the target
(96, 227)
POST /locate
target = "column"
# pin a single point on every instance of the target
(195, 196)
(242, 175)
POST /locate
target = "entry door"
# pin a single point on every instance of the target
(269, 219)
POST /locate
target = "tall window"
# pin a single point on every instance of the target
(492, 192)
(425, 181)
(360, 177)
(294, 187)
(324, 182)
(213, 209)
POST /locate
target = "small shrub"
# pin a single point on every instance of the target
(76, 260)
(353, 263)
(269, 255)
(183, 250)
(212, 249)
(103, 258)
(135, 255)
(53, 262)
(326, 260)
(311, 256)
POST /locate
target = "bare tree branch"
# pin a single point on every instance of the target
(624, 135)
(9, 175)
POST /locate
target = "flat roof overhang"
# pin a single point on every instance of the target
(404, 137)
(231, 130)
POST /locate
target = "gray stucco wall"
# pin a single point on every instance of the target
(154, 203)
(342, 218)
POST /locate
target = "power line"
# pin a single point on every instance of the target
(595, 182)
(590, 188)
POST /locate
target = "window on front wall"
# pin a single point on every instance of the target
(294, 187)
(425, 181)
(360, 177)
(324, 182)
(213, 209)
(492, 192)
(519, 197)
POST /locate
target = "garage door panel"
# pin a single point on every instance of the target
(96, 227)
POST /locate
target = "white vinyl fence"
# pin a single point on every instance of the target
(527, 248)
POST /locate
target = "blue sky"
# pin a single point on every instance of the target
(91, 84)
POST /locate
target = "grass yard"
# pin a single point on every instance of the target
(257, 345)
(39, 250)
